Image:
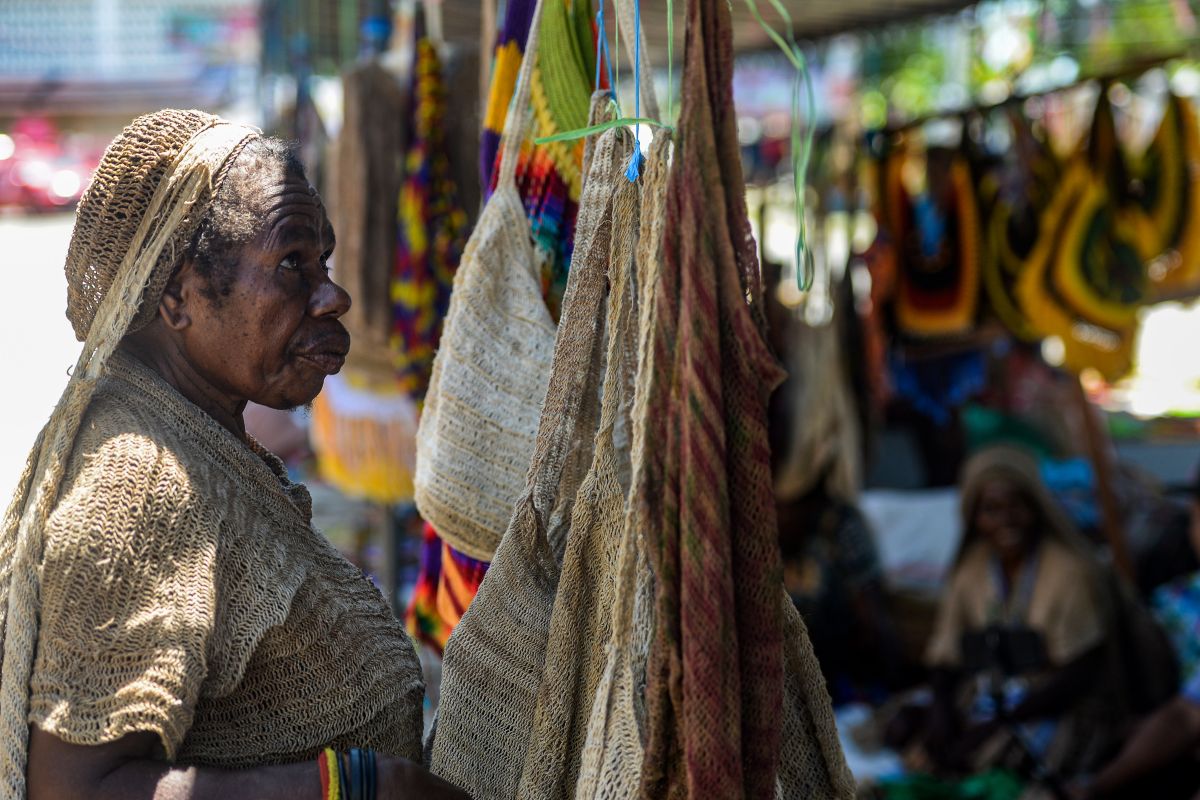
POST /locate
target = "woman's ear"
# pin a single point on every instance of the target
(174, 308)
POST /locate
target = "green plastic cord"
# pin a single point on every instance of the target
(615, 64)
(670, 59)
(567, 136)
(801, 146)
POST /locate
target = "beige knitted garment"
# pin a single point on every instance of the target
(184, 592)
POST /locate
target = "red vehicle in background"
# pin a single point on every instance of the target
(40, 170)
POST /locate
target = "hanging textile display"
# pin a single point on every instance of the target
(826, 439)
(612, 754)
(480, 418)
(446, 584)
(548, 176)
(581, 619)
(363, 423)
(364, 437)
(934, 221)
(882, 267)
(431, 231)
(548, 182)
(367, 179)
(506, 63)
(1086, 275)
(1015, 194)
(1168, 177)
(736, 704)
(938, 387)
(545, 611)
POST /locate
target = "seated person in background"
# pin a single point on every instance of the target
(1020, 639)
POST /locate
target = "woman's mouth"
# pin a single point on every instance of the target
(329, 363)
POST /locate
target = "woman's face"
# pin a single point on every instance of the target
(276, 335)
(1006, 519)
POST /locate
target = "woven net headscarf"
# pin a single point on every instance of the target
(152, 188)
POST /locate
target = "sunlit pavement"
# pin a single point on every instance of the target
(36, 338)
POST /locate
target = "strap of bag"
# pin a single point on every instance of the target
(572, 394)
(628, 21)
(520, 111)
(646, 263)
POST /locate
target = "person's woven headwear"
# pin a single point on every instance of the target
(153, 186)
(1019, 467)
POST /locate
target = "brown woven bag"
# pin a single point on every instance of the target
(495, 659)
(480, 419)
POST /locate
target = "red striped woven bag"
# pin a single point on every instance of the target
(736, 704)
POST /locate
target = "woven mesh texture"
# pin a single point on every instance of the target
(113, 208)
(104, 307)
(581, 623)
(611, 761)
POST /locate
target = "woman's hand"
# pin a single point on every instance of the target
(131, 769)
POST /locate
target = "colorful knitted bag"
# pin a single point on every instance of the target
(432, 231)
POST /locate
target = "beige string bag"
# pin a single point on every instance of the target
(494, 661)
(480, 419)
(581, 621)
(581, 627)
(107, 295)
(612, 753)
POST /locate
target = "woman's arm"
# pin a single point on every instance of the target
(1062, 689)
(1168, 734)
(127, 770)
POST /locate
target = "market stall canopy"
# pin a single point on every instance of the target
(813, 19)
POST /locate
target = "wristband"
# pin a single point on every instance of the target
(328, 766)
(356, 774)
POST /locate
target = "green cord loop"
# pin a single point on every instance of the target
(801, 146)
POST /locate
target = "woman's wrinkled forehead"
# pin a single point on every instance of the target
(292, 212)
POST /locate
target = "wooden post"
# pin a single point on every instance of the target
(1099, 453)
(487, 41)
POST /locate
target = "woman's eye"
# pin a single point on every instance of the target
(290, 262)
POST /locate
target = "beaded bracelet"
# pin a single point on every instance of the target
(363, 779)
(349, 777)
(329, 765)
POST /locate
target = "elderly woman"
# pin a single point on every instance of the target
(1021, 634)
(172, 625)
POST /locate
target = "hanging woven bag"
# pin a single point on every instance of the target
(494, 661)
(731, 692)
(489, 377)
(1086, 275)
(581, 621)
(611, 759)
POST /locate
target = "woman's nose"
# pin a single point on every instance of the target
(329, 300)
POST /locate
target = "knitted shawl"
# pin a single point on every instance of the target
(185, 593)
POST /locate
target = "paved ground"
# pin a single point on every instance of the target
(35, 338)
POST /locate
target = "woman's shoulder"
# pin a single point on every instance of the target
(1065, 563)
